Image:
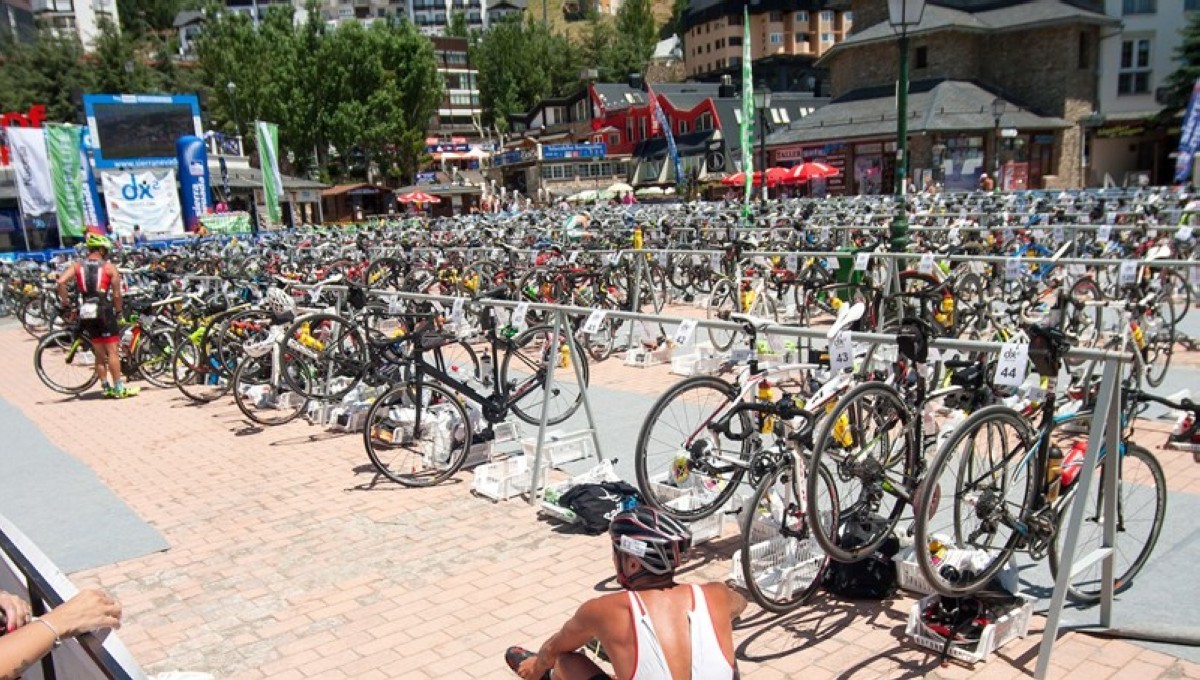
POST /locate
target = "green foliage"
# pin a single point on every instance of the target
(457, 28)
(139, 17)
(119, 68)
(1179, 84)
(49, 71)
(519, 64)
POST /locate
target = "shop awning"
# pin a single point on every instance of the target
(934, 106)
(691, 144)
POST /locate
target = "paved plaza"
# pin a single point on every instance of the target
(289, 558)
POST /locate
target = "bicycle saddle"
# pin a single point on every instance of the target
(752, 324)
(847, 315)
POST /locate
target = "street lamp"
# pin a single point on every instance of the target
(998, 107)
(762, 102)
(902, 14)
(231, 88)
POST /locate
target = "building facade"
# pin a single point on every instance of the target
(787, 37)
(1126, 143)
(79, 18)
(973, 108)
(459, 113)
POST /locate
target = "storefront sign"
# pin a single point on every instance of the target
(426, 177)
(558, 151)
(1118, 131)
(511, 157)
(867, 149)
(448, 148)
(31, 119)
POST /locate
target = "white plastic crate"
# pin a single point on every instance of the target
(645, 358)
(560, 448)
(694, 363)
(503, 479)
(909, 576)
(802, 556)
(507, 431)
(1010, 626)
(603, 472)
(703, 529)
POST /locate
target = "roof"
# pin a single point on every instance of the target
(187, 18)
(360, 188)
(251, 178)
(798, 106)
(619, 95)
(671, 48)
(1017, 14)
(933, 105)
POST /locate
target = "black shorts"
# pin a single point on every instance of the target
(104, 329)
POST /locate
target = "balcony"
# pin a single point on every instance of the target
(53, 6)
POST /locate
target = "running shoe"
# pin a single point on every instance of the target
(515, 656)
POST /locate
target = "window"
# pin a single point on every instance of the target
(1191, 5)
(802, 17)
(1134, 77)
(736, 41)
(704, 121)
(642, 128)
(922, 57)
(614, 138)
(776, 38)
(776, 16)
(1085, 50)
(735, 61)
(802, 41)
(827, 17)
(826, 37)
(683, 127)
(1138, 6)
(847, 17)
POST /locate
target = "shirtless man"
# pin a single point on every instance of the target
(655, 629)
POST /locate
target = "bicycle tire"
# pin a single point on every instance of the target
(196, 375)
(152, 358)
(57, 349)
(256, 372)
(339, 365)
(1160, 345)
(858, 409)
(716, 484)
(528, 354)
(1086, 586)
(931, 496)
(443, 443)
(721, 302)
(782, 566)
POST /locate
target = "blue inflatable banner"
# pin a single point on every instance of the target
(193, 180)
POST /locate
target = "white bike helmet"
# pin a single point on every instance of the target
(278, 302)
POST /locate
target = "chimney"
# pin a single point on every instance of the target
(635, 81)
(726, 89)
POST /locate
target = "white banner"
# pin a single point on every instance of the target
(27, 147)
(147, 198)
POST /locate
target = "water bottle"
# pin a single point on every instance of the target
(485, 368)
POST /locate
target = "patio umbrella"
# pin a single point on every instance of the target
(812, 170)
(774, 176)
(620, 188)
(418, 197)
(650, 191)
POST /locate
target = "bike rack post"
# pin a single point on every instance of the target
(1105, 431)
(583, 392)
(535, 480)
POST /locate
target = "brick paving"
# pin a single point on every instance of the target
(289, 558)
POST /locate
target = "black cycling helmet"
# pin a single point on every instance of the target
(657, 541)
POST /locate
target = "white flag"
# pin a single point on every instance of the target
(27, 147)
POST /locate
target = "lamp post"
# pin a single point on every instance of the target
(231, 88)
(998, 107)
(902, 14)
(762, 102)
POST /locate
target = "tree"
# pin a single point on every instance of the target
(519, 64)
(50, 71)
(457, 28)
(636, 35)
(1180, 83)
(120, 68)
(675, 25)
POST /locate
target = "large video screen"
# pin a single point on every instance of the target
(139, 130)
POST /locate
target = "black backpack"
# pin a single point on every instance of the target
(871, 578)
(596, 504)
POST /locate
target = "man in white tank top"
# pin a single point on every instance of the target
(655, 629)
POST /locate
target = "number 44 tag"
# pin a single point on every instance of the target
(1013, 364)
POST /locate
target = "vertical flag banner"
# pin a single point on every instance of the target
(1189, 139)
(193, 180)
(27, 149)
(93, 209)
(268, 156)
(66, 176)
(747, 106)
(660, 119)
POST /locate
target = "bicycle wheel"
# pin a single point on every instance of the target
(782, 566)
(1176, 294)
(523, 376)
(977, 489)
(1081, 321)
(676, 449)
(65, 362)
(865, 441)
(329, 356)
(722, 302)
(153, 357)
(261, 399)
(417, 435)
(1160, 345)
(198, 373)
(1141, 507)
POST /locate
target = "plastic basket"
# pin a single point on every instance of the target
(702, 529)
(780, 583)
(910, 578)
(503, 479)
(560, 448)
(1010, 626)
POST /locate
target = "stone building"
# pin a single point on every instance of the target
(1032, 62)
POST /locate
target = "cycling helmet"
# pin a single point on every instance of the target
(279, 302)
(657, 541)
(95, 240)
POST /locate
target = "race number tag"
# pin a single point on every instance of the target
(792, 261)
(1007, 235)
(926, 264)
(456, 312)
(714, 261)
(662, 259)
(861, 261)
(613, 258)
(89, 310)
(685, 331)
(841, 351)
(594, 320)
(1128, 273)
(954, 232)
(395, 306)
(518, 316)
(1111, 218)
(831, 263)
(826, 234)
(1184, 233)
(574, 256)
(1104, 232)
(1013, 364)
(1012, 268)
(533, 254)
(1060, 234)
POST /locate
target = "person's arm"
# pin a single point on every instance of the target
(63, 280)
(88, 611)
(575, 633)
(117, 286)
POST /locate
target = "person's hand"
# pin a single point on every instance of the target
(88, 611)
(16, 611)
(529, 669)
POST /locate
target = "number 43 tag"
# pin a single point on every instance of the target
(841, 351)
(1013, 364)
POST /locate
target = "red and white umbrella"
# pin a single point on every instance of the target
(812, 170)
(774, 176)
(418, 197)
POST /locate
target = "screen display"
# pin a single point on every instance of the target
(129, 131)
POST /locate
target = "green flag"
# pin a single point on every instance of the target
(747, 106)
(268, 156)
(66, 176)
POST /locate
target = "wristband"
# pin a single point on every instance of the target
(44, 622)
